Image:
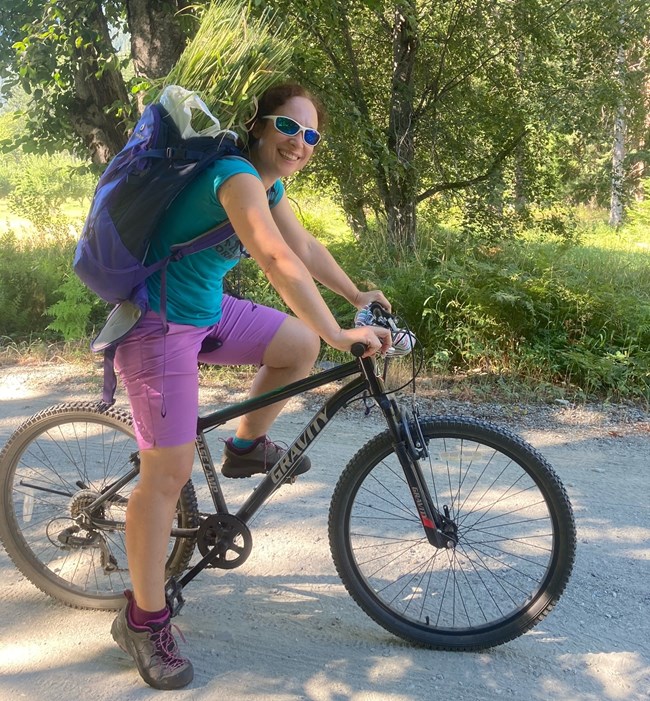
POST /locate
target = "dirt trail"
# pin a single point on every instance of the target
(282, 628)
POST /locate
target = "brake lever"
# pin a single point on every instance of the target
(383, 317)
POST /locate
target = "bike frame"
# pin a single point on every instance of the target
(407, 448)
(283, 470)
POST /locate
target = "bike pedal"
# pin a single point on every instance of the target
(174, 596)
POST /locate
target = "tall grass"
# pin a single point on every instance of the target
(541, 307)
(234, 56)
(534, 308)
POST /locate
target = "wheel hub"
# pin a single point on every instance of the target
(81, 501)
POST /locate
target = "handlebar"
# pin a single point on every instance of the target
(375, 315)
(382, 318)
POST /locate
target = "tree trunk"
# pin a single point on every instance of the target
(96, 92)
(402, 187)
(618, 174)
(354, 212)
(157, 41)
(639, 170)
(401, 226)
(157, 38)
(521, 200)
(618, 152)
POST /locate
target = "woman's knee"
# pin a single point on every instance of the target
(166, 470)
(294, 344)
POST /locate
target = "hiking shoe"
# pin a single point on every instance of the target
(258, 459)
(154, 650)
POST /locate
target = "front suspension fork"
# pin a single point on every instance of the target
(410, 447)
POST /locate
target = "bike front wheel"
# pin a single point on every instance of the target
(55, 466)
(515, 531)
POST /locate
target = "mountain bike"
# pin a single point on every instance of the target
(450, 532)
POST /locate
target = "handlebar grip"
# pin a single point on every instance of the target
(358, 349)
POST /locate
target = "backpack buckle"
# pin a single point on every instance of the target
(175, 154)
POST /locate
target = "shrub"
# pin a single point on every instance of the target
(78, 311)
(29, 276)
(41, 184)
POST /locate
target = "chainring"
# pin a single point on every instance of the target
(227, 538)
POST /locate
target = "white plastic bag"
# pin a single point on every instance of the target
(180, 102)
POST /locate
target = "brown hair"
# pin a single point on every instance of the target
(276, 96)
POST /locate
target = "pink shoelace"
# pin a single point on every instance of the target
(166, 647)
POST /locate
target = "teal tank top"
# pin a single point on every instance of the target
(195, 283)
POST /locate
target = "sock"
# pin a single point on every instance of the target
(243, 443)
(140, 617)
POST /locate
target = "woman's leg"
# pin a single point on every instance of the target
(149, 517)
(289, 357)
(160, 374)
(251, 334)
(142, 628)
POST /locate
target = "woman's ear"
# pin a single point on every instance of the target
(257, 129)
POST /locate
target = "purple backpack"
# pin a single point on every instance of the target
(131, 198)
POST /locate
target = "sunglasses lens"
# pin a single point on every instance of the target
(287, 126)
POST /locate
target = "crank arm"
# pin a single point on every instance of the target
(174, 596)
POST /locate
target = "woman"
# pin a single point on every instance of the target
(160, 370)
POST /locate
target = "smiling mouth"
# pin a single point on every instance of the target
(289, 156)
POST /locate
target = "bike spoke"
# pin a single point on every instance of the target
(505, 537)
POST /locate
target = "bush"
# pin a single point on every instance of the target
(551, 305)
(78, 311)
(564, 309)
(30, 274)
(41, 184)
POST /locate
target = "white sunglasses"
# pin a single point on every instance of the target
(289, 127)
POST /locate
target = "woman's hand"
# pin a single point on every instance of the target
(363, 299)
(374, 338)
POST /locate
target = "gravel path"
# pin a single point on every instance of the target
(282, 628)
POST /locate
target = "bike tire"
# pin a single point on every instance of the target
(57, 460)
(516, 537)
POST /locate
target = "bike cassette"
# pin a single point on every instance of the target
(226, 538)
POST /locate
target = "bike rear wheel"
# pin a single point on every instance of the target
(56, 464)
(516, 537)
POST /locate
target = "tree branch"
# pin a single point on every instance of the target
(430, 91)
(433, 92)
(494, 166)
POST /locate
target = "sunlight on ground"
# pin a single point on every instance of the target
(323, 688)
(620, 674)
(601, 531)
(15, 386)
(31, 657)
(18, 655)
(391, 668)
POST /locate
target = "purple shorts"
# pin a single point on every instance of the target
(160, 372)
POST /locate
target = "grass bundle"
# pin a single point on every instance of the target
(231, 60)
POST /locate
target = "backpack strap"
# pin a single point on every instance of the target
(173, 154)
(110, 377)
(208, 239)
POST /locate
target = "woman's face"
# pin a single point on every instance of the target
(277, 155)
